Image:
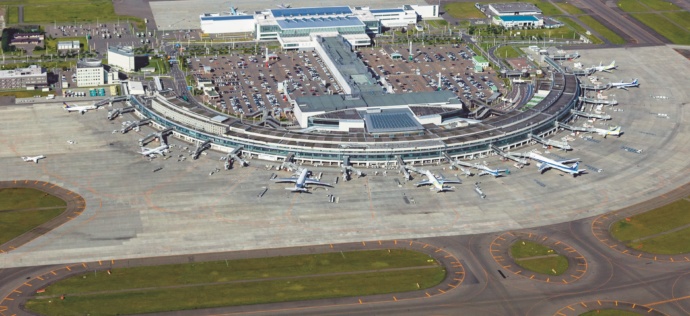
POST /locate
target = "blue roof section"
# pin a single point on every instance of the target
(296, 12)
(299, 23)
(387, 122)
(227, 17)
(518, 18)
(374, 11)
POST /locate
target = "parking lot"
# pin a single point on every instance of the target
(103, 35)
(245, 85)
(421, 74)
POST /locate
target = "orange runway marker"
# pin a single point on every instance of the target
(53, 272)
(331, 245)
(17, 291)
(425, 245)
(395, 242)
(532, 277)
(564, 281)
(572, 309)
(410, 243)
(67, 267)
(83, 264)
(364, 244)
(40, 278)
(547, 279)
(427, 294)
(9, 299)
(100, 263)
(28, 284)
(395, 299)
(634, 306)
(360, 301)
(583, 304)
(379, 242)
(599, 302)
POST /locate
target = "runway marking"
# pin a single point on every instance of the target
(28, 284)
(53, 272)
(574, 276)
(427, 294)
(17, 291)
(598, 301)
(364, 244)
(395, 299)
(572, 309)
(564, 281)
(583, 304)
(360, 301)
(547, 280)
(426, 245)
(442, 291)
(395, 242)
(83, 264)
(9, 299)
(40, 278)
(668, 301)
(379, 243)
(532, 277)
(68, 269)
(99, 263)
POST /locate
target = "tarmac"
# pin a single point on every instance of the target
(134, 212)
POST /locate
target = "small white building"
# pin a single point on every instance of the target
(135, 88)
(121, 57)
(518, 21)
(68, 46)
(513, 8)
(90, 73)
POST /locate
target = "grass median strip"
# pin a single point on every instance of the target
(663, 26)
(240, 282)
(656, 221)
(538, 258)
(673, 243)
(23, 209)
(578, 28)
(207, 296)
(601, 29)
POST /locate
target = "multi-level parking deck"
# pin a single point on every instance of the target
(429, 145)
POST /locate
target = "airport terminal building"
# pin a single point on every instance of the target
(295, 28)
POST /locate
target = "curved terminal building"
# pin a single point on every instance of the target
(416, 130)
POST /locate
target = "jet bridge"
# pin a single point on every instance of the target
(135, 124)
(109, 101)
(591, 115)
(160, 135)
(288, 163)
(200, 148)
(347, 169)
(457, 164)
(116, 112)
(403, 168)
(551, 142)
(234, 155)
(510, 156)
(571, 128)
(598, 101)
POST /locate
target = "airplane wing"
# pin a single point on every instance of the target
(317, 182)
(425, 182)
(283, 180)
(568, 160)
(543, 167)
(452, 181)
(622, 87)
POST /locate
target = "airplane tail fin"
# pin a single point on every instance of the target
(65, 106)
(613, 63)
(635, 81)
(577, 163)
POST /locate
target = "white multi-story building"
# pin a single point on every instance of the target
(90, 73)
(122, 57)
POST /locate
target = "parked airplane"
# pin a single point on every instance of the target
(606, 68)
(301, 182)
(34, 159)
(152, 152)
(545, 163)
(486, 170)
(614, 131)
(81, 109)
(437, 182)
(284, 6)
(625, 85)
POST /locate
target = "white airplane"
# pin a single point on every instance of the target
(606, 68)
(301, 182)
(152, 152)
(34, 159)
(81, 109)
(284, 6)
(459, 164)
(545, 163)
(625, 85)
(438, 183)
(486, 170)
(614, 131)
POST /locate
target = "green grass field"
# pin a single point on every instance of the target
(601, 29)
(463, 10)
(578, 28)
(610, 312)
(555, 265)
(661, 25)
(507, 52)
(660, 5)
(240, 282)
(567, 7)
(25, 93)
(24, 198)
(161, 65)
(50, 11)
(19, 213)
(653, 222)
(524, 251)
(681, 18)
(632, 6)
(657, 221)
(668, 244)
